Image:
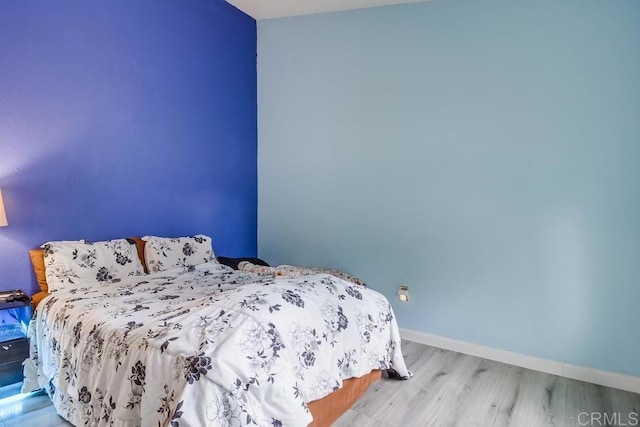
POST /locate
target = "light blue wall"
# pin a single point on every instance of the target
(484, 153)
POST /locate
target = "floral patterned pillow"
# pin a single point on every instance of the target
(83, 262)
(164, 253)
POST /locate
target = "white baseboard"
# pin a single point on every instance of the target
(595, 376)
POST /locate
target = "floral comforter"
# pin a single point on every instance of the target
(211, 347)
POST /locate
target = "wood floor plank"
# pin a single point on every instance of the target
(401, 402)
(382, 393)
(625, 406)
(536, 401)
(35, 411)
(585, 398)
(443, 389)
(352, 417)
(491, 397)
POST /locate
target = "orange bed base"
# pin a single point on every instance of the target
(327, 410)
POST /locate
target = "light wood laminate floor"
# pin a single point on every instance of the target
(448, 389)
(452, 389)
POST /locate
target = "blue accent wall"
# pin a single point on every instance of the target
(125, 118)
(485, 153)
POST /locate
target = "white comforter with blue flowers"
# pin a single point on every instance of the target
(210, 347)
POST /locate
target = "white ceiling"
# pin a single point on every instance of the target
(264, 9)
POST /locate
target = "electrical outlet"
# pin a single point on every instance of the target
(403, 293)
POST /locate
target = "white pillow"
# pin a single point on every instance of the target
(164, 253)
(83, 262)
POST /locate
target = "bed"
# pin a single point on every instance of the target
(209, 345)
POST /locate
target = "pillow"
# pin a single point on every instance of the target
(37, 297)
(37, 261)
(140, 248)
(90, 263)
(183, 253)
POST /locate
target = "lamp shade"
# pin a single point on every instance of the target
(3, 214)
